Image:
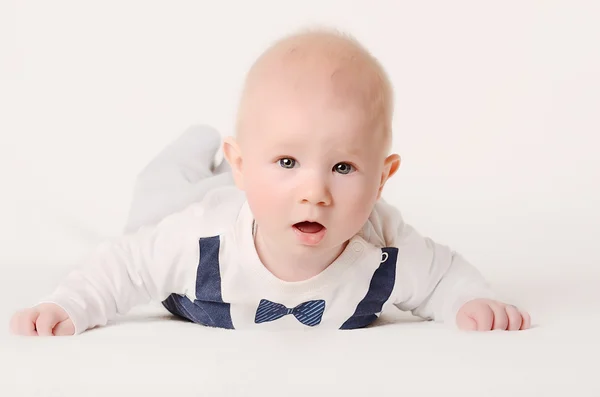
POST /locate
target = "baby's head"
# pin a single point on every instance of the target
(312, 140)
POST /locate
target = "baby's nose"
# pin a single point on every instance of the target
(316, 191)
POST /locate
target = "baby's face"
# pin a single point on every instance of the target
(306, 159)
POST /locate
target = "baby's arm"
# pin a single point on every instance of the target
(118, 275)
(181, 174)
(436, 283)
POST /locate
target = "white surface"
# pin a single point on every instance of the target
(149, 353)
(496, 121)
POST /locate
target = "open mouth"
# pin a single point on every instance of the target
(309, 227)
(309, 233)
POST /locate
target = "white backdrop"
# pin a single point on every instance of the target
(496, 121)
(496, 114)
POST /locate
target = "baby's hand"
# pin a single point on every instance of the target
(46, 319)
(486, 315)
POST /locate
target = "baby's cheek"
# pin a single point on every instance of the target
(259, 200)
(357, 209)
(265, 199)
(361, 204)
(362, 192)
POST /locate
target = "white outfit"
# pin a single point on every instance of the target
(201, 262)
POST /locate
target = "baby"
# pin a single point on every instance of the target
(302, 240)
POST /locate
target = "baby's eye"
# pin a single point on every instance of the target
(343, 168)
(287, 163)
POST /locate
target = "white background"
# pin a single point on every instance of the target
(496, 120)
(496, 113)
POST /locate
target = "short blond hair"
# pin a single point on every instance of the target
(347, 59)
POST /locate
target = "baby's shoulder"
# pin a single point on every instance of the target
(383, 225)
(221, 201)
(215, 213)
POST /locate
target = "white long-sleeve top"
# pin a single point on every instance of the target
(202, 264)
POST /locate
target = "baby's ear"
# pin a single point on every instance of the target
(390, 167)
(233, 155)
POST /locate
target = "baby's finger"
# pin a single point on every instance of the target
(526, 320)
(64, 328)
(46, 322)
(23, 322)
(484, 316)
(514, 318)
(500, 316)
(465, 322)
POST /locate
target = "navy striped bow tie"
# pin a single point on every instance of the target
(308, 313)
